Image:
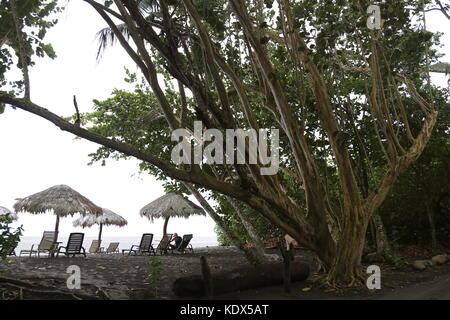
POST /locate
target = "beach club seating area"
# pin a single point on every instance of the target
(63, 201)
(75, 246)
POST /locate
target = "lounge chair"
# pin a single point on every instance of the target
(94, 248)
(11, 251)
(184, 245)
(74, 245)
(112, 248)
(46, 245)
(163, 245)
(144, 247)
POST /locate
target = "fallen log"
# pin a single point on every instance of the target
(206, 277)
(244, 278)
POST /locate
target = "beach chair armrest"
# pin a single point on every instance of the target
(130, 250)
(55, 245)
(59, 250)
(26, 250)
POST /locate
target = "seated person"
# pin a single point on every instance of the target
(176, 239)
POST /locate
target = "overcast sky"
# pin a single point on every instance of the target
(35, 155)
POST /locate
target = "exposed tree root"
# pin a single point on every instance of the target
(353, 281)
(324, 280)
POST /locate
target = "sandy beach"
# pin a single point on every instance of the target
(127, 277)
(118, 276)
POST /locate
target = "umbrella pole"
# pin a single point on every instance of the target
(100, 237)
(165, 226)
(56, 235)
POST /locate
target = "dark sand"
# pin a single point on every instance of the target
(127, 277)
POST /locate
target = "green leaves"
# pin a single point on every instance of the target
(214, 14)
(426, 182)
(9, 238)
(45, 49)
(134, 118)
(268, 3)
(156, 267)
(34, 19)
(108, 3)
(264, 39)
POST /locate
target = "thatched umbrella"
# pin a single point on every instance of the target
(107, 218)
(4, 212)
(170, 205)
(60, 199)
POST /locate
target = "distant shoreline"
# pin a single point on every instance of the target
(125, 241)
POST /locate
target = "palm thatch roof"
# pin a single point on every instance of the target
(107, 218)
(61, 199)
(5, 211)
(171, 205)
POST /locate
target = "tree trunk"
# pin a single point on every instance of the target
(430, 215)
(259, 246)
(373, 233)
(165, 226)
(55, 239)
(382, 243)
(100, 237)
(346, 269)
(249, 254)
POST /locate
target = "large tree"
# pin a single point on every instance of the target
(313, 70)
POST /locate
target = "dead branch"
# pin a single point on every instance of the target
(34, 289)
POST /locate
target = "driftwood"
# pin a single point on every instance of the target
(244, 278)
(22, 289)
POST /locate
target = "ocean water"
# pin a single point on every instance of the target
(125, 242)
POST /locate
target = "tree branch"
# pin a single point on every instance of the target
(443, 9)
(150, 70)
(199, 178)
(22, 55)
(209, 56)
(347, 179)
(104, 8)
(401, 165)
